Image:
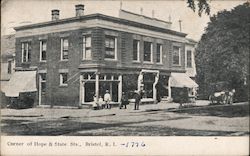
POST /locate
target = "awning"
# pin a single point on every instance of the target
(20, 82)
(181, 80)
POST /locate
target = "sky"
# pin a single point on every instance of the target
(22, 12)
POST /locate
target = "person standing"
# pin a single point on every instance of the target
(124, 101)
(101, 103)
(137, 97)
(95, 103)
(107, 99)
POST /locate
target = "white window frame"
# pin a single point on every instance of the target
(160, 53)
(27, 54)
(62, 39)
(41, 48)
(115, 58)
(61, 79)
(84, 39)
(138, 51)
(179, 63)
(151, 52)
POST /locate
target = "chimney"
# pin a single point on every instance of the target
(79, 10)
(141, 11)
(153, 13)
(180, 24)
(55, 14)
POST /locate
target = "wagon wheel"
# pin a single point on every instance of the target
(224, 99)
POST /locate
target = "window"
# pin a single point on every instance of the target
(43, 82)
(64, 49)
(87, 48)
(63, 79)
(110, 47)
(148, 51)
(26, 50)
(159, 53)
(189, 59)
(43, 49)
(9, 67)
(176, 55)
(136, 49)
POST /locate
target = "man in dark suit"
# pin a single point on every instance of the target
(138, 97)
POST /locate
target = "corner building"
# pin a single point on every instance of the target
(71, 60)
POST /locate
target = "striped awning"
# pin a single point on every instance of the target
(182, 80)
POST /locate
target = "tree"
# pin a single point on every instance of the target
(202, 6)
(223, 52)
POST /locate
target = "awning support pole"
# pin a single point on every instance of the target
(81, 91)
(120, 88)
(169, 88)
(97, 87)
(154, 86)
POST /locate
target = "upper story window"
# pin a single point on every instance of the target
(176, 55)
(148, 52)
(159, 53)
(87, 47)
(43, 49)
(189, 58)
(136, 50)
(63, 79)
(26, 51)
(64, 49)
(110, 47)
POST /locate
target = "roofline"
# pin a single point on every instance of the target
(146, 16)
(104, 17)
(191, 41)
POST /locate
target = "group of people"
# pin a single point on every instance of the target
(102, 103)
(105, 103)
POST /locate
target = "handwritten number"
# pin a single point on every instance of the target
(134, 144)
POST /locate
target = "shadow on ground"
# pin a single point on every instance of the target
(157, 131)
(55, 127)
(74, 128)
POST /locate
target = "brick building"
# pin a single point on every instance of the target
(71, 60)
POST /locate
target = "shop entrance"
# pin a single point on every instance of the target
(112, 87)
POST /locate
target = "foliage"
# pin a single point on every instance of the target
(223, 51)
(202, 6)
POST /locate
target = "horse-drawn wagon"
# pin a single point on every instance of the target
(221, 94)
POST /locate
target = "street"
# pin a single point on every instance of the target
(162, 119)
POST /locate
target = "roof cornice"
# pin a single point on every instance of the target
(102, 17)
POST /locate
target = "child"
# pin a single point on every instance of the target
(95, 103)
(101, 102)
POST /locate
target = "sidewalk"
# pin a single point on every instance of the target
(72, 112)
